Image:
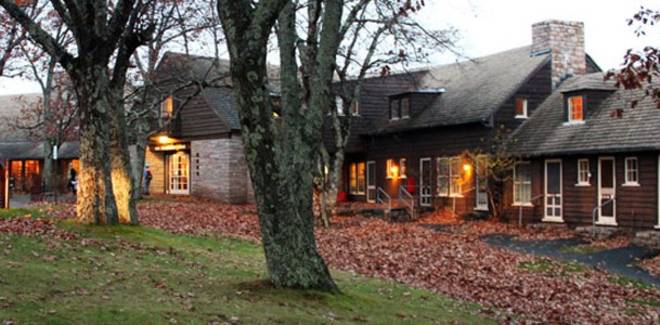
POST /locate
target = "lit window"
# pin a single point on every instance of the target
(632, 171)
(450, 177)
(167, 107)
(395, 109)
(402, 168)
(405, 107)
(339, 105)
(521, 108)
(357, 178)
(583, 172)
(392, 169)
(522, 184)
(575, 109)
(442, 170)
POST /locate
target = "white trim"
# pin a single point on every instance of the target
(570, 110)
(580, 183)
(553, 218)
(524, 205)
(171, 177)
(525, 114)
(476, 186)
(423, 196)
(606, 221)
(366, 180)
(628, 183)
(515, 168)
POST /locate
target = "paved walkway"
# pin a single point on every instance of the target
(620, 261)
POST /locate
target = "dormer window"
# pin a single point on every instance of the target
(167, 108)
(405, 107)
(521, 108)
(355, 108)
(395, 109)
(399, 108)
(575, 109)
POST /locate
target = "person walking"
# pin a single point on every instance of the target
(147, 179)
(73, 181)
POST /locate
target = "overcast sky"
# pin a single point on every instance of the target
(488, 26)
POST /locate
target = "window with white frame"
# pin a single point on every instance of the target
(521, 107)
(583, 173)
(522, 184)
(456, 188)
(632, 171)
(395, 109)
(442, 172)
(450, 178)
(402, 168)
(576, 109)
(355, 108)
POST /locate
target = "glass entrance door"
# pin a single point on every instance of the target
(553, 191)
(371, 181)
(425, 179)
(178, 173)
(606, 191)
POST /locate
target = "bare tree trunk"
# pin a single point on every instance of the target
(139, 161)
(281, 158)
(122, 176)
(96, 203)
(47, 170)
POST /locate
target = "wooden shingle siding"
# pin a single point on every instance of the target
(198, 120)
(636, 206)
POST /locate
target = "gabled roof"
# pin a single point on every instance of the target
(10, 110)
(35, 150)
(546, 133)
(473, 90)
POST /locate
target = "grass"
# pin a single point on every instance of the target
(547, 266)
(140, 275)
(582, 249)
(20, 212)
(626, 281)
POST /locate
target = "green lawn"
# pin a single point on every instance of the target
(138, 275)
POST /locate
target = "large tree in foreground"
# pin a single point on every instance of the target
(106, 34)
(282, 152)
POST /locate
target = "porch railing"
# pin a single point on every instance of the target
(408, 199)
(383, 198)
(593, 215)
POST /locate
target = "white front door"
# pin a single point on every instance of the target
(371, 181)
(553, 191)
(178, 166)
(425, 180)
(606, 191)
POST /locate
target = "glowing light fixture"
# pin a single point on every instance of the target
(467, 168)
(394, 171)
(163, 139)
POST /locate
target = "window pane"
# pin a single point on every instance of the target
(442, 171)
(521, 107)
(361, 183)
(405, 107)
(353, 178)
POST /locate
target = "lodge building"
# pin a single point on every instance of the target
(583, 150)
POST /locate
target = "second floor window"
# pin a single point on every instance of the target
(167, 108)
(521, 108)
(395, 109)
(575, 109)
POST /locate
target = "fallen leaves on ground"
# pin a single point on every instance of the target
(652, 265)
(453, 261)
(28, 226)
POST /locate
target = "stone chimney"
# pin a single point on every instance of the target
(565, 41)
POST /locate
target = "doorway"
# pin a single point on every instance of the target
(606, 191)
(371, 181)
(178, 170)
(553, 191)
(425, 182)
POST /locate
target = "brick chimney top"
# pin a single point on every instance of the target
(564, 40)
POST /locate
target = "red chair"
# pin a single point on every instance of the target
(411, 185)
